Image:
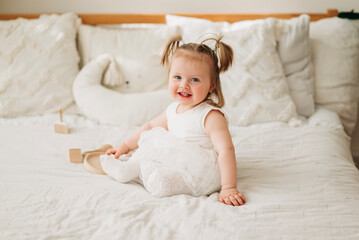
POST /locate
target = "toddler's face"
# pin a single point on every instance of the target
(189, 80)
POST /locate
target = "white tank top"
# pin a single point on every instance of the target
(190, 124)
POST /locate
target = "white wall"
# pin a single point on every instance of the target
(174, 6)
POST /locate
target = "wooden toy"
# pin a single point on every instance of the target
(61, 127)
(102, 149)
(74, 155)
(92, 163)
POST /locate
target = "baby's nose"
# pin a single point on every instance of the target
(184, 84)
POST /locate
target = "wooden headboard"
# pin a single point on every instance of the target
(160, 18)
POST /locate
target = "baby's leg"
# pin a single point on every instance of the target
(165, 183)
(121, 171)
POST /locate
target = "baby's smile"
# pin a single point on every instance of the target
(184, 94)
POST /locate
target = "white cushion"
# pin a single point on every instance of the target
(255, 87)
(137, 51)
(355, 23)
(195, 29)
(325, 117)
(295, 54)
(293, 49)
(38, 63)
(335, 49)
(355, 134)
(110, 107)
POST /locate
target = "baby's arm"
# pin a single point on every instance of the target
(131, 143)
(217, 129)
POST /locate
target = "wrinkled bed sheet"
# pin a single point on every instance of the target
(299, 182)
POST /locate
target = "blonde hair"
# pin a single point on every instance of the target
(222, 57)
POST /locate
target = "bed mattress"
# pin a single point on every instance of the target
(299, 182)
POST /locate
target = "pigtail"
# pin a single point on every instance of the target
(222, 56)
(225, 55)
(170, 48)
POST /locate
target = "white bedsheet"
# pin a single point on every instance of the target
(299, 182)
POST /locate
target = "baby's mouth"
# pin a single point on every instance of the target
(183, 94)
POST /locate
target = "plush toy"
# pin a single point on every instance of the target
(108, 106)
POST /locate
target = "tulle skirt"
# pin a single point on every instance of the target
(170, 165)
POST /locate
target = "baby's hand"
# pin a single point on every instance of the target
(111, 151)
(231, 196)
(118, 150)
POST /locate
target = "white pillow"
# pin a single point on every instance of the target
(137, 51)
(335, 49)
(355, 23)
(111, 107)
(355, 133)
(195, 29)
(295, 54)
(255, 87)
(38, 63)
(289, 33)
(325, 117)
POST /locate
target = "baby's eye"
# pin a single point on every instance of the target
(178, 77)
(194, 80)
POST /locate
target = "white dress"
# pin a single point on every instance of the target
(181, 160)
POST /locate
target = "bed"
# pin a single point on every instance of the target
(293, 154)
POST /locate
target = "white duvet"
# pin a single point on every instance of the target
(299, 182)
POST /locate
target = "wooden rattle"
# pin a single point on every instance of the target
(74, 155)
(92, 161)
(61, 127)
